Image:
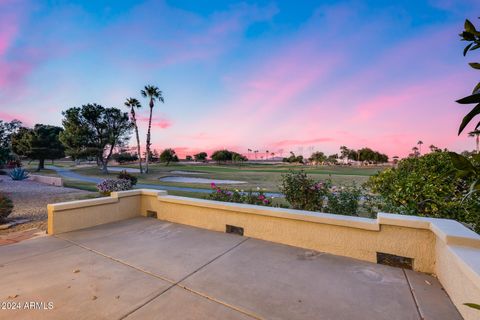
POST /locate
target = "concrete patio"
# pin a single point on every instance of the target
(144, 268)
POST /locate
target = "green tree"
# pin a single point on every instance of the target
(189, 158)
(153, 94)
(168, 155)
(93, 130)
(7, 129)
(133, 104)
(40, 143)
(427, 186)
(201, 156)
(318, 157)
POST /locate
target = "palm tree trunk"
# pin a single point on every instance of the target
(478, 142)
(148, 137)
(138, 141)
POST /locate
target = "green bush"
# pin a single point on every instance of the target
(304, 193)
(427, 186)
(344, 200)
(6, 207)
(124, 175)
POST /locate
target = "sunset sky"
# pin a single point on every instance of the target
(276, 75)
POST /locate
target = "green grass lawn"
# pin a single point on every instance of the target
(265, 176)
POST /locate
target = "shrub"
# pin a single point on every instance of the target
(108, 186)
(6, 207)
(427, 186)
(344, 200)
(18, 174)
(302, 192)
(124, 175)
(249, 197)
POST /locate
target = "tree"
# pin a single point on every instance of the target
(7, 129)
(124, 157)
(415, 152)
(201, 156)
(227, 155)
(40, 143)
(317, 157)
(188, 158)
(153, 94)
(471, 35)
(369, 155)
(476, 134)
(133, 104)
(168, 155)
(419, 143)
(93, 130)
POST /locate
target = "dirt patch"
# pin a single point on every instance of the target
(30, 201)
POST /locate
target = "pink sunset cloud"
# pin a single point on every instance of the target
(157, 121)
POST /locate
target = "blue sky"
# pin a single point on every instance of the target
(277, 75)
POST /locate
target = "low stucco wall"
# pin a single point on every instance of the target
(442, 247)
(54, 181)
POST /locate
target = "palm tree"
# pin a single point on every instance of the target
(154, 94)
(266, 154)
(419, 143)
(415, 152)
(476, 134)
(133, 104)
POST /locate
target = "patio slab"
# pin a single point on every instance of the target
(144, 268)
(178, 303)
(32, 247)
(80, 284)
(281, 282)
(167, 250)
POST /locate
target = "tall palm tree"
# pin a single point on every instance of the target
(476, 134)
(153, 94)
(133, 104)
(419, 143)
(266, 154)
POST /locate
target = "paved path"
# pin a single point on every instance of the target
(68, 173)
(144, 268)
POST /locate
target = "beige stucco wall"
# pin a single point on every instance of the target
(438, 246)
(418, 244)
(54, 181)
(74, 215)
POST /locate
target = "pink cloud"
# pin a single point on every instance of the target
(162, 123)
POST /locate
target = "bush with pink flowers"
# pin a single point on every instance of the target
(239, 196)
(108, 186)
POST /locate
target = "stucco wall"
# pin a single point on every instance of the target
(54, 181)
(442, 247)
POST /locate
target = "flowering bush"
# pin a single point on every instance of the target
(239, 196)
(108, 186)
(124, 175)
(304, 193)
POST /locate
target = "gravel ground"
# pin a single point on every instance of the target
(30, 201)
